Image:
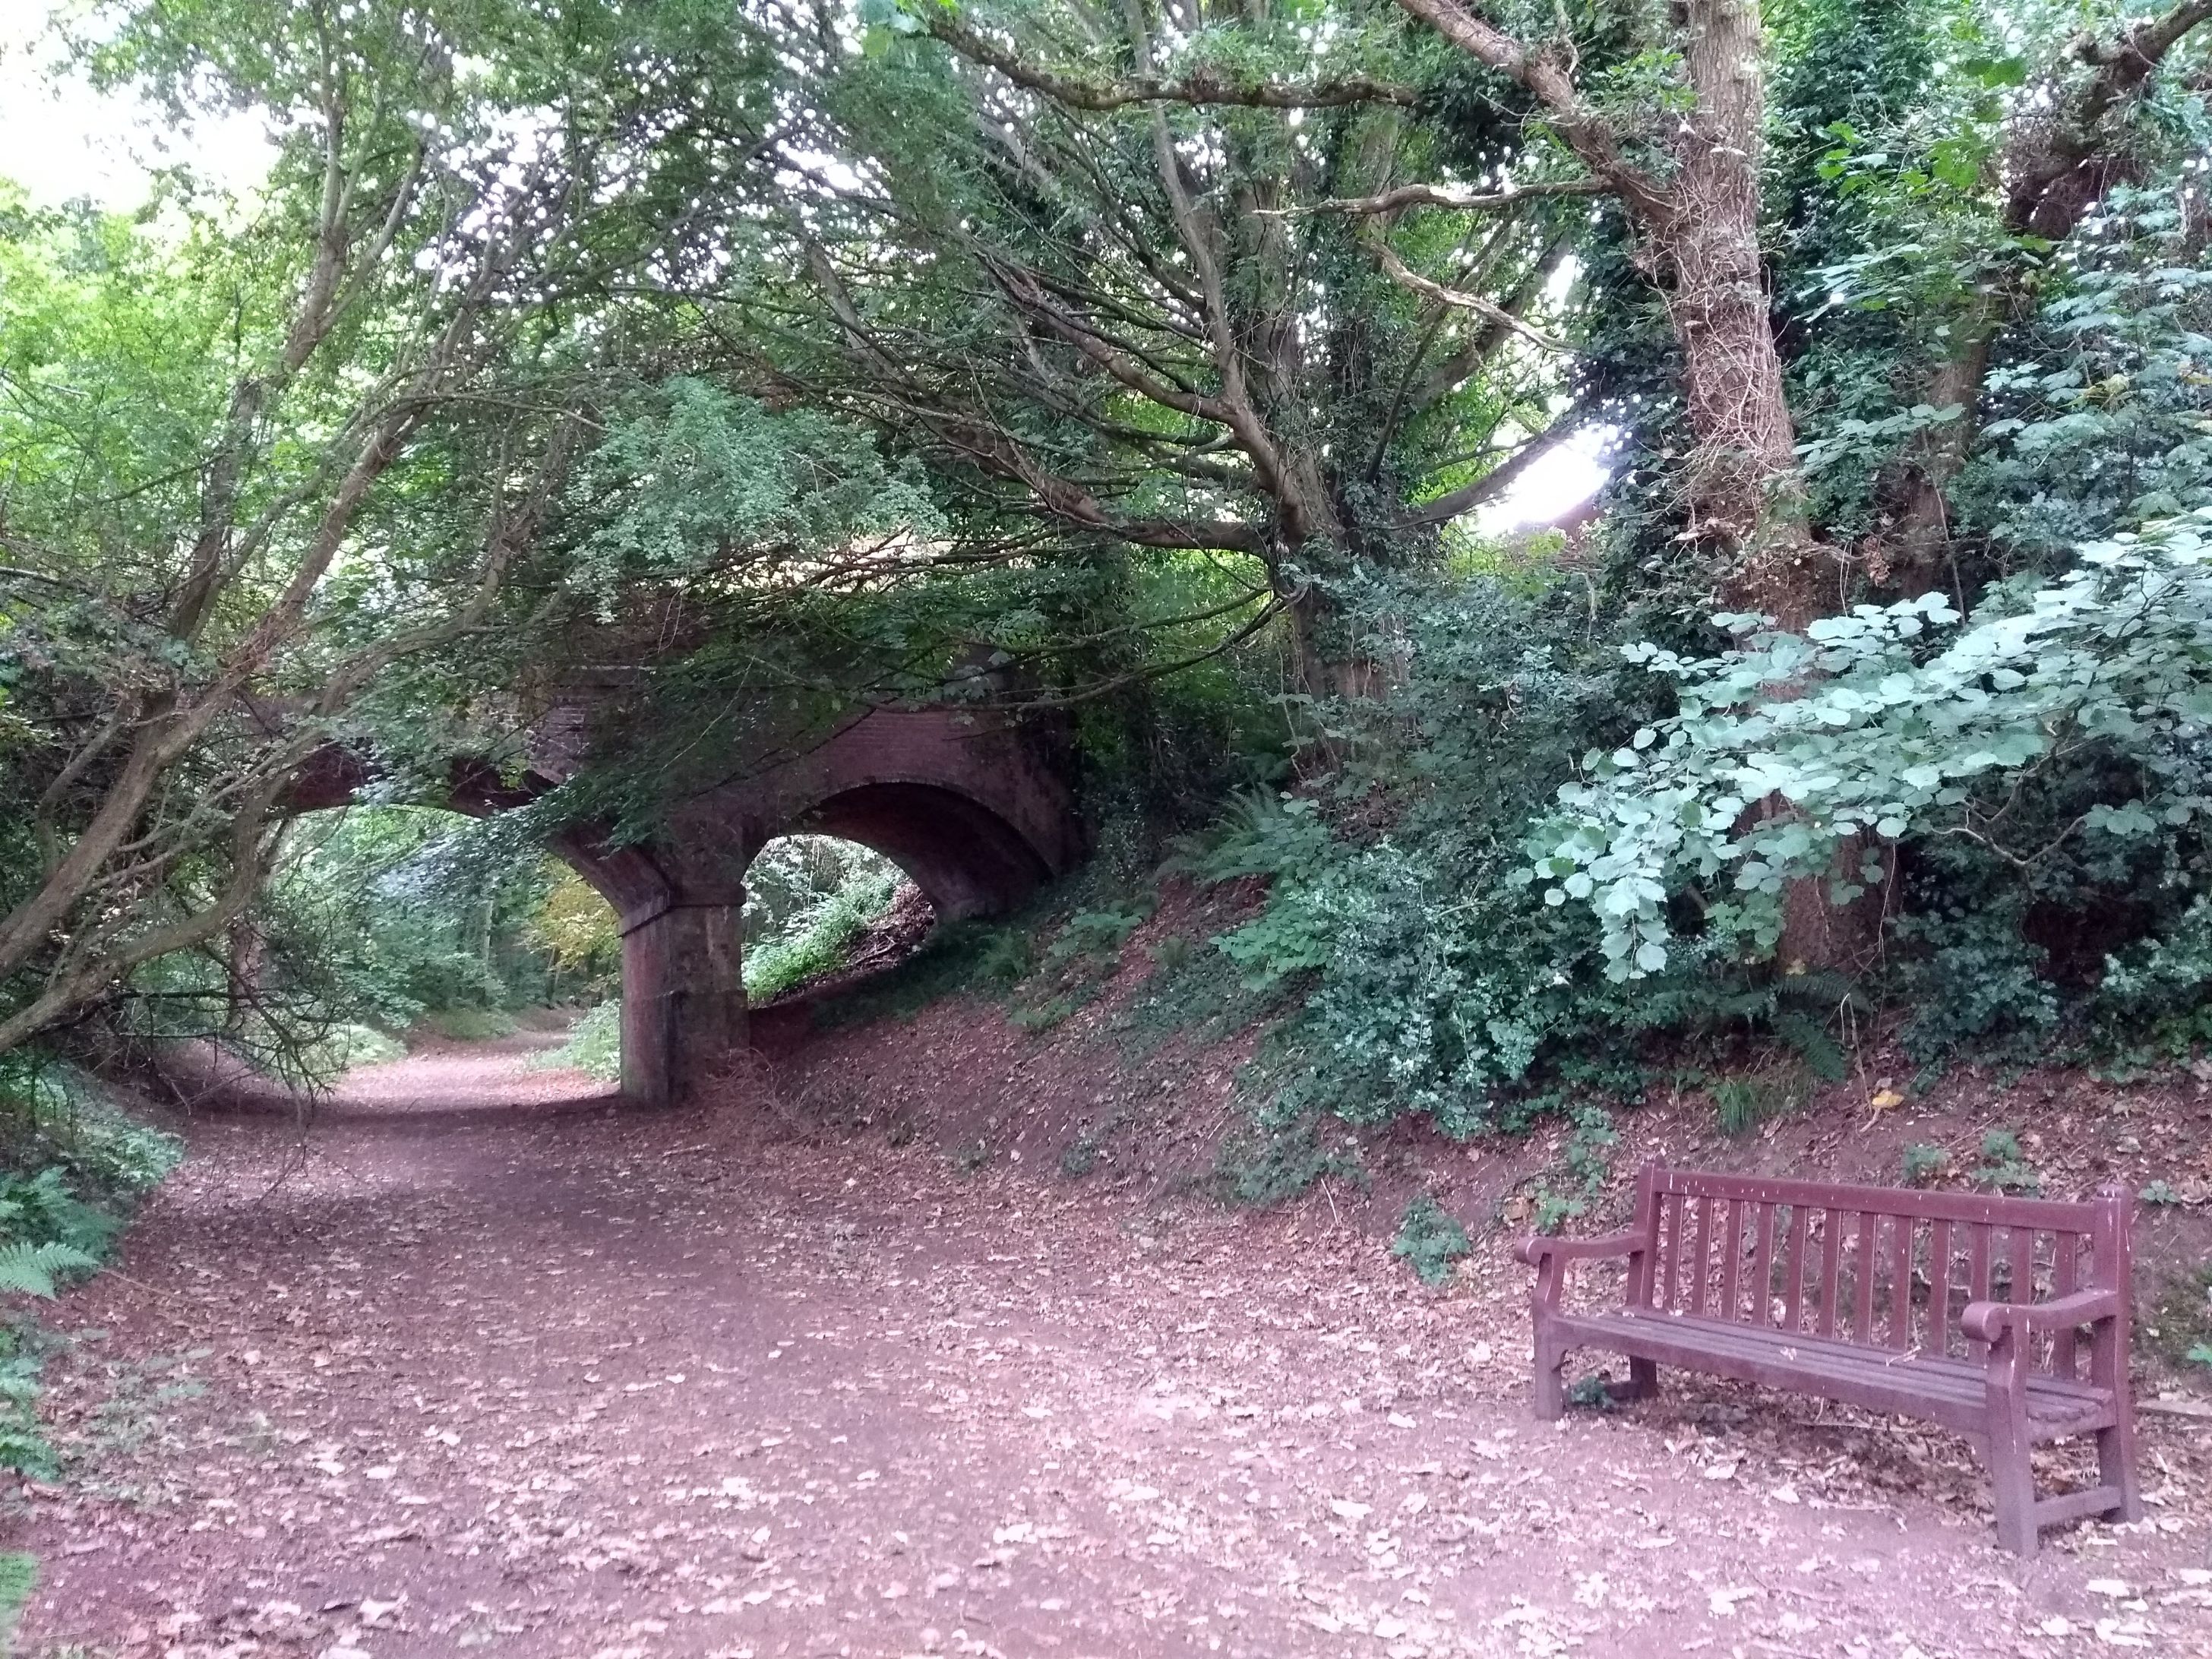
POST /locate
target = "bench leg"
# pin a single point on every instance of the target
(2116, 1465)
(1643, 1382)
(1551, 1393)
(2012, 1480)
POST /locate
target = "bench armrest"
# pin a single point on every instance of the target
(1531, 1251)
(1986, 1320)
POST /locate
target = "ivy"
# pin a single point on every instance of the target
(1796, 756)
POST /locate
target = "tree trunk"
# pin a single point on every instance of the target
(1918, 558)
(1745, 493)
(1746, 497)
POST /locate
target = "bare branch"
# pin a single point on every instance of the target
(1406, 276)
(1492, 484)
(1464, 201)
(1588, 133)
(1205, 87)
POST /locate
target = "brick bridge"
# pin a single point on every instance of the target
(973, 804)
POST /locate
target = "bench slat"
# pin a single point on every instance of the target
(1762, 1269)
(1732, 1262)
(2066, 1261)
(1863, 1281)
(1939, 1289)
(1900, 1283)
(1977, 1278)
(1670, 1246)
(1697, 1261)
(1996, 1209)
(1832, 1261)
(2020, 1259)
(1793, 1297)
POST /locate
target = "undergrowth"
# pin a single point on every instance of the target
(820, 939)
(72, 1164)
(593, 1045)
(1430, 1240)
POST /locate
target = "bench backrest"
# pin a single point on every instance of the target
(1883, 1266)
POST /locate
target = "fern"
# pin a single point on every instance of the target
(31, 1269)
(1264, 832)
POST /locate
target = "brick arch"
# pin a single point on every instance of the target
(967, 859)
(627, 878)
(976, 806)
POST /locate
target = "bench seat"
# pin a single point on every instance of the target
(1954, 1392)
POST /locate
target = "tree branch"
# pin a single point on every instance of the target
(1407, 278)
(1465, 201)
(1103, 97)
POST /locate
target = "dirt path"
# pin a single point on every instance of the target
(498, 1365)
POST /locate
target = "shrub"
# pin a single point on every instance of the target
(1430, 1239)
(2004, 1166)
(1868, 733)
(55, 1116)
(819, 940)
(344, 1047)
(1275, 1158)
(594, 1046)
(1742, 1103)
(1091, 940)
(470, 1025)
(19, 1576)
(1923, 1163)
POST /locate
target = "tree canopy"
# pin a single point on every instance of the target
(1154, 366)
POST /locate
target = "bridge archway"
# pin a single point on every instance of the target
(967, 859)
(975, 807)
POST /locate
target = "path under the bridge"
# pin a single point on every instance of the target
(486, 1363)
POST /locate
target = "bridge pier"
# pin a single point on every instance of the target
(683, 997)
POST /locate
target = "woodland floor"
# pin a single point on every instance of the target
(481, 1361)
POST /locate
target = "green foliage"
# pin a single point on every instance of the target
(1275, 1157)
(37, 1269)
(690, 471)
(578, 931)
(19, 1578)
(593, 1047)
(1192, 991)
(342, 1047)
(2155, 994)
(1091, 941)
(971, 1156)
(54, 1117)
(816, 938)
(1923, 1164)
(1590, 1393)
(2159, 1194)
(1081, 1155)
(23, 1444)
(958, 957)
(1862, 737)
(1586, 1164)
(2180, 1319)
(1430, 1239)
(1743, 1104)
(71, 1164)
(2004, 1166)
(471, 1024)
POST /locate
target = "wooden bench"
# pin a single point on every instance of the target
(1965, 1310)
